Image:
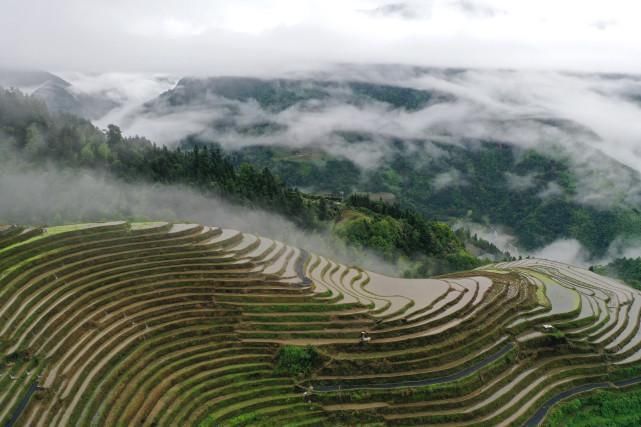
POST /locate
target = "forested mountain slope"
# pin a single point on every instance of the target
(523, 172)
(33, 138)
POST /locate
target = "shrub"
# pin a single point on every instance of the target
(296, 361)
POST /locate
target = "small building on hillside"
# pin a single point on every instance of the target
(385, 197)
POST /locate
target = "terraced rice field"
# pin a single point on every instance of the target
(119, 324)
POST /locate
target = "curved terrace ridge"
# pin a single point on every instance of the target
(154, 324)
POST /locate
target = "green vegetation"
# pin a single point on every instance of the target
(296, 361)
(403, 236)
(164, 324)
(385, 227)
(602, 408)
(483, 246)
(626, 269)
(184, 324)
(428, 247)
(491, 183)
(279, 94)
(31, 133)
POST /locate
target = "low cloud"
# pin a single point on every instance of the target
(623, 248)
(451, 178)
(477, 9)
(573, 252)
(604, 24)
(251, 36)
(551, 190)
(410, 10)
(127, 92)
(495, 234)
(591, 121)
(569, 251)
(520, 182)
(51, 197)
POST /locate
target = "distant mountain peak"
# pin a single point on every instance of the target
(22, 79)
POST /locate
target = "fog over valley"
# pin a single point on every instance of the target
(343, 111)
(374, 118)
(312, 213)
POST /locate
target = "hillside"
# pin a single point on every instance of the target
(421, 134)
(429, 139)
(183, 324)
(33, 138)
(58, 94)
(626, 269)
(281, 94)
(532, 195)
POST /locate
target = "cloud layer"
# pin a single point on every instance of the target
(592, 120)
(52, 197)
(259, 36)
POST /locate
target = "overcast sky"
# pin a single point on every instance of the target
(254, 36)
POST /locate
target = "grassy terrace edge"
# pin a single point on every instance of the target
(186, 324)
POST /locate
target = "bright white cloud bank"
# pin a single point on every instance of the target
(258, 36)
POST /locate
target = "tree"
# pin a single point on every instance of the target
(87, 155)
(104, 153)
(34, 140)
(114, 135)
(323, 210)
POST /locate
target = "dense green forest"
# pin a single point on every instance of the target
(69, 141)
(626, 269)
(482, 189)
(603, 408)
(30, 134)
(534, 195)
(386, 228)
(279, 94)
